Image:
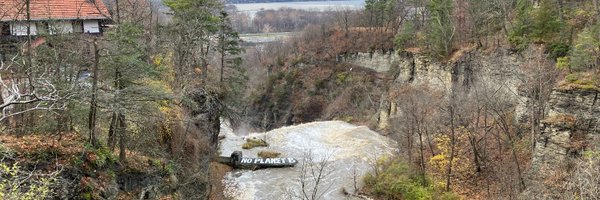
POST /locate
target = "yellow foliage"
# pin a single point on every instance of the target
(254, 142)
(460, 163)
(164, 62)
(14, 186)
(268, 154)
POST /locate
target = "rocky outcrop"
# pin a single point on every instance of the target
(498, 70)
(207, 113)
(378, 61)
(573, 119)
(570, 129)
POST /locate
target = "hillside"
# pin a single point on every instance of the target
(468, 99)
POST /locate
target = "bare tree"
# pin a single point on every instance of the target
(540, 76)
(312, 178)
(418, 108)
(30, 86)
(584, 183)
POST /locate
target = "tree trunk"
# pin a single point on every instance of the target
(118, 11)
(506, 130)
(422, 157)
(112, 132)
(429, 141)
(93, 101)
(452, 142)
(222, 60)
(473, 142)
(560, 10)
(122, 127)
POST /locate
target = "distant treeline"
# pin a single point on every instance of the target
(270, 1)
(285, 20)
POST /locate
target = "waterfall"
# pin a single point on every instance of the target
(350, 152)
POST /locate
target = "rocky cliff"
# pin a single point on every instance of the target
(573, 120)
(571, 116)
(569, 132)
(378, 61)
(499, 70)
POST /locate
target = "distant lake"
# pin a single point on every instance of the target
(252, 8)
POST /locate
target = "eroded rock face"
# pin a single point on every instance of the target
(573, 119)
(497, 71)
(378, 61)
(570, 128)
(349, 150)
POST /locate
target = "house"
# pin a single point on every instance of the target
(52, 17)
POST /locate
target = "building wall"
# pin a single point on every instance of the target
(61, 27)
(20, 28)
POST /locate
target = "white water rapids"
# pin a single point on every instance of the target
(349, 149)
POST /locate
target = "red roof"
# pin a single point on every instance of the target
(11, 10)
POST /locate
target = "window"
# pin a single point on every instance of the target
(91, 26)
(78, 26)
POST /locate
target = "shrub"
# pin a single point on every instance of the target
(21, 185)
(341, 78)
(518, 42)
(100, 156)
(558, 50)
(268, 154)
(562, 63)
(571, 78)
(397, 180)
(254, 142)
(564, 120)
(5, 151)
(581, 81)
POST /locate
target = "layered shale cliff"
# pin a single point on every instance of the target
(572, 123)
(565, 154)
(571, 113)
(499, 70)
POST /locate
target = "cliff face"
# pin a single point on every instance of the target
(573, 120)
(378, 61)
(573, 115)
(570, 128)
(499, 71)
(569, 132)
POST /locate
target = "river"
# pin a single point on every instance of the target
(252, 8)
(349, 150)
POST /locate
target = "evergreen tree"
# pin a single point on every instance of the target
(586, 49)
(546, 24)
(440, 30)
(194, 23)
(406, 36)
(521, 25)
(229, 45)
(130, 74)
(234, 80)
